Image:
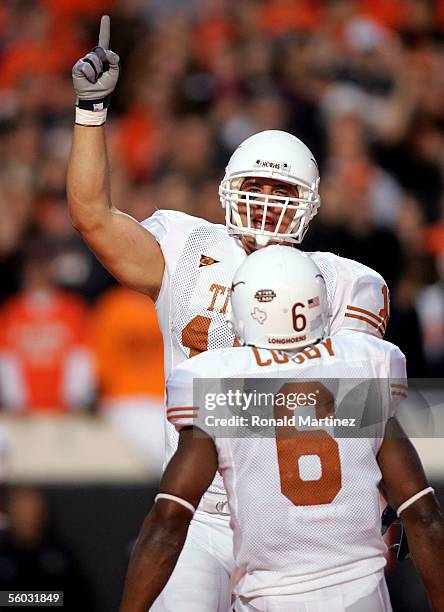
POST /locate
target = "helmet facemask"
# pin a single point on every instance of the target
(305, 207)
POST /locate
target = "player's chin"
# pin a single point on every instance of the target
(251, 244)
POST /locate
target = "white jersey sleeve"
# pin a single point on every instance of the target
(184, 402)
(171, 229)
(358, 296)
(397, 378)
(181, 411)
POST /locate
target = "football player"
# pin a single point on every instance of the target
(304, 502)
(270, 193)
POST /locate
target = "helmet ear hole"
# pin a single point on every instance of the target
(229, 318)
(239, 330)
(235, 325)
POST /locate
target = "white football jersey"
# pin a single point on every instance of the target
(200, 262)
(305, 508)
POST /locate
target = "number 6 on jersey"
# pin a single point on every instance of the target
(293, 445)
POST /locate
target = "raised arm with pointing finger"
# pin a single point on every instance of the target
(123, 246)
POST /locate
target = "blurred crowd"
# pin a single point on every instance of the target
(360, 82)
(33, 555)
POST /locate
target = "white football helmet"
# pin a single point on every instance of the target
(278, 300)
(278, 155)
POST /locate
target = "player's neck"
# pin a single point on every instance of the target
(248, 244)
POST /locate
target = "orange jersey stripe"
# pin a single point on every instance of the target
(372, 323)
(366, 312)
(181, 416)
(182, 408)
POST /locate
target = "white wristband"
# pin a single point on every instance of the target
(414, 498)
(87, 117)
(179, 500)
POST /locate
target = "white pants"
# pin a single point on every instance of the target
(369, 594)
(201, 579)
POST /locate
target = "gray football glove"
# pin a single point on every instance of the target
(95, 75)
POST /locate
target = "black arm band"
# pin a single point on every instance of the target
(94, 105)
